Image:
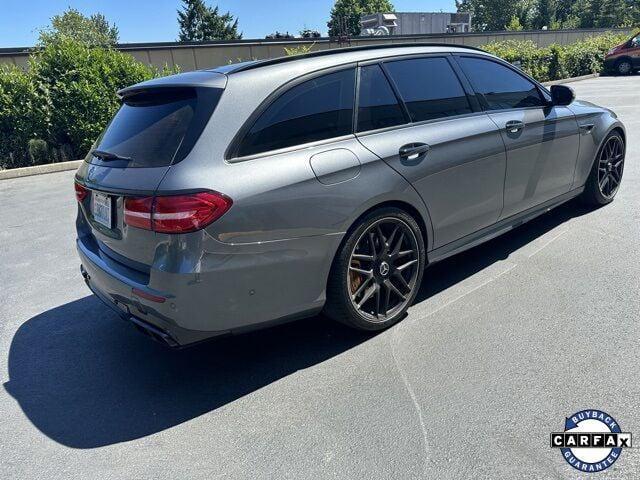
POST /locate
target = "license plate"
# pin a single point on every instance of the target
(102, 209)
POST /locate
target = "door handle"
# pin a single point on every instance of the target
(514, 126)
(413, 151)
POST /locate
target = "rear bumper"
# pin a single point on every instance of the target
(240, 288)
(116, 292)
(153, 331)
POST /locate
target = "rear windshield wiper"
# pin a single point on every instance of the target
(106, 156)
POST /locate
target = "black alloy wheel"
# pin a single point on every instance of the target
(383, 269)
(611, 166)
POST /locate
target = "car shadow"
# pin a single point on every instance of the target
(86, 379)
(444, 274)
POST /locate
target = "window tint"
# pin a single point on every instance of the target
(314, 110)
(378, 106)
(429, 87)
(150, 128)
(500, 86)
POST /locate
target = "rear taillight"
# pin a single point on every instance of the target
(81, 192)
(137, 212)
(175, 213)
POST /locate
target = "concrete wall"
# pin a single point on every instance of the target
(194, 56)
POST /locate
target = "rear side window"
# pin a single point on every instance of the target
(317, 109)
(500, 86)
(429, 88)
(149, 128)
(378, 106)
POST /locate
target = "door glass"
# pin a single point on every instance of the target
(500, 86)
(378, 106)
(314, 110)
(429, 87)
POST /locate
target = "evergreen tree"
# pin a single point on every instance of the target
(545, 14)
(190, 19)
(563, 10)
(614, 13)
(199, 22)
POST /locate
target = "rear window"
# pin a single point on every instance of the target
(153, 129)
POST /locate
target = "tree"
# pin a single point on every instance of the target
(199, 22)
(499, 13)
(614, 13)
(489, 14)
(279, 35)
(94, 30)
(307, 33)
(345, 15)
(545, 14)
(535, 14)
(563, 10)
(514, 25)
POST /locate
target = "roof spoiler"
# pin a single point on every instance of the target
(199, 78)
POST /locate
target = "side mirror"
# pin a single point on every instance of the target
(562, 95)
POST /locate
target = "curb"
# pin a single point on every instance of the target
(39, 169)
(569, 80)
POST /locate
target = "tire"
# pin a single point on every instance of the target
(353, 276)
(594, 194)
(624, 67)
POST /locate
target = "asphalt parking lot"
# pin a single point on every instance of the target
(504, 342)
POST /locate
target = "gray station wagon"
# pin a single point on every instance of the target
(224, 200)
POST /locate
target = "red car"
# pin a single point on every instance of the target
(624, 58)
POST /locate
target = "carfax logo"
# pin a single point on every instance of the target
(592, 440)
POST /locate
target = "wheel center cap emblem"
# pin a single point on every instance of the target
(384, 269)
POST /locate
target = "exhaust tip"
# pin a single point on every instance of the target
(156, 333)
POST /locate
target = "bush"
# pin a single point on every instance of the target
(38, 151)
(65, 100)
(557, 61)
(23, 116)
(532, 59)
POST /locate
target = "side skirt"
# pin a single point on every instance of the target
(497, 229)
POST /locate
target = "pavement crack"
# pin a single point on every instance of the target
(414, 399)
(403, 374)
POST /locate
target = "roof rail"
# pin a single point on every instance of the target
(333, 51)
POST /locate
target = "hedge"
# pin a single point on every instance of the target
(55, 110)
(557, 61)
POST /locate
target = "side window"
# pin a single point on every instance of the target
(378, 106)
(500, 86)
(429, 88)
(314, 110)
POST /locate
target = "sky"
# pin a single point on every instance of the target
(155, 20)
